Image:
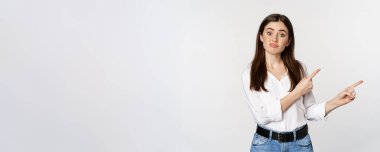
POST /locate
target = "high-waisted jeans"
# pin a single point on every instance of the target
(263, 144)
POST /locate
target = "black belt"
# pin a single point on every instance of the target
(283, 136)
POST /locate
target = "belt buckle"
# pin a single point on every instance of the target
(284, 137)
(280, 137)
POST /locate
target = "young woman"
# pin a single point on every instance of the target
(279, 91)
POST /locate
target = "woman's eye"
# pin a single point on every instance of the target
(283, 35)
(269, 33)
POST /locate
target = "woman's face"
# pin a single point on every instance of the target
(275, 37)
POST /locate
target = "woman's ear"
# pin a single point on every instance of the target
(261, 38)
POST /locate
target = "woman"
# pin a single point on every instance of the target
(279, 91)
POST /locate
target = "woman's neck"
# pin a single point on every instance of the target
(273, 61)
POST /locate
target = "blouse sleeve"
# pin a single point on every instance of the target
(264, 108)
(314, 111)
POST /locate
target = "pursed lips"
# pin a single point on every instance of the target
(273, 45)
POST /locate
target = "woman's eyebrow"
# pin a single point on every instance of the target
(269, 29)
(284, 31)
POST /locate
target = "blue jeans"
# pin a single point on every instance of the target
(263, 144)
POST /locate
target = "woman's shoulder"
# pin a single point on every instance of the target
(247, 68)
(303, 65)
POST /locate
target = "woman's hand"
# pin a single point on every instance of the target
(344, 97)
(347, 95)
(303, 87)
(306, 84)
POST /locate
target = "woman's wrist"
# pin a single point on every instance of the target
(296, 93)
(331, 105)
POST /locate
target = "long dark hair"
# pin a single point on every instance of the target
(258, 68)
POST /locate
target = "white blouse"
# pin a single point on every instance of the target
(266, 107)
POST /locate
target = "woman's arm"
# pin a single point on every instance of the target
(344, 97)
(303, 87)
(264, 107)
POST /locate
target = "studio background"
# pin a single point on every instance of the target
(165, 76)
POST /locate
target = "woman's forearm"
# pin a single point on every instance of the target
(288, 100)
(330, 106)
(344, 97)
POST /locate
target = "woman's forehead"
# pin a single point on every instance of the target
(277, 26)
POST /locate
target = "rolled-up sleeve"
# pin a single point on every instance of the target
(265, 108)
(314, 111)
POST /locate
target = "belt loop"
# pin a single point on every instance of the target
(295, 136)
(270, 134)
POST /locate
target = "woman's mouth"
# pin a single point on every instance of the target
(273, 45)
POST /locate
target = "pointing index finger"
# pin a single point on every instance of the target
(312, 75)
(357, 83)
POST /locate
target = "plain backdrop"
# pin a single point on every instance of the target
(165, 75)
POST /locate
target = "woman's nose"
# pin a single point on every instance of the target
(274, 38)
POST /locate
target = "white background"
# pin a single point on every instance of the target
(165, 76)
